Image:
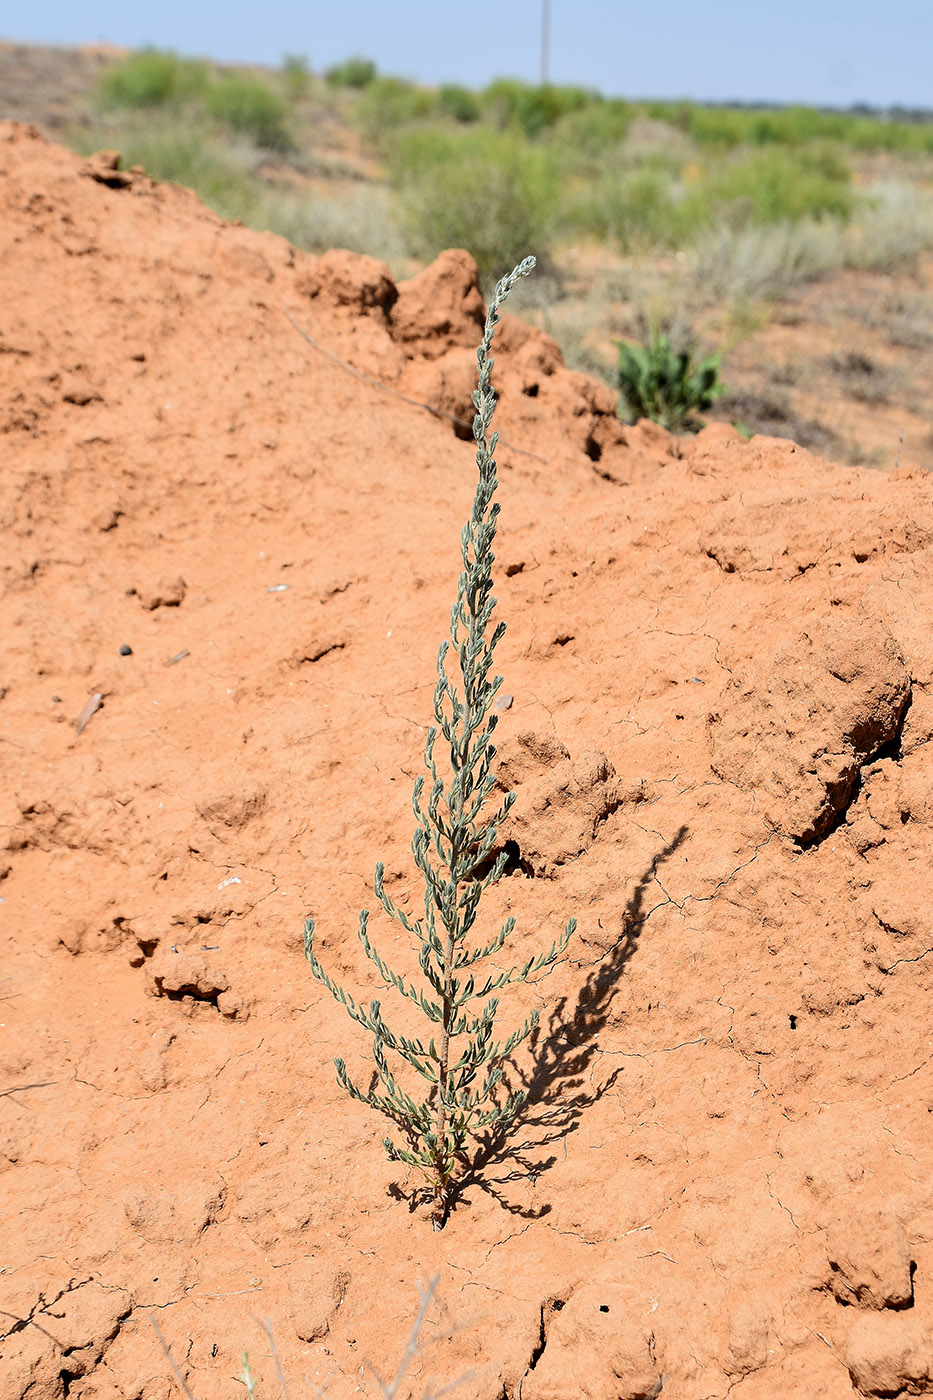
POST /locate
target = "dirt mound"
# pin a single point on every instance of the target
(232, 558)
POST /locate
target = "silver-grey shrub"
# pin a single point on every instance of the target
(460, 1061)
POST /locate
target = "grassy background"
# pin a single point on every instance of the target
(514, 166)
(702, 221)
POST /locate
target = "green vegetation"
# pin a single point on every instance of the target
(251, 108)
(533, 110)
(353, 73)
(459, 103)
(454, 848)
(296, 75)
(729, 127)
(710, 211)
(514, 163)
(152, 78)
(390, 105)
(773, 186)
(488, 191)
(670, 386)
(156, 78)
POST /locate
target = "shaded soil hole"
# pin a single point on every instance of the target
(892, 749)
(515, 863)
(190, 989)
(147, 947)
(592, 448)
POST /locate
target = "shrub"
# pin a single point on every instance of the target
(532, 109)
(359, 219)
(734, 264)
(487, 191)
(354, 72)
(893, 229)
(868, 135)
(770, 186)
(249, 107)
(452, 846)
(636, 210)
(593, 130)
(151, 78)
(459, 102)
(666, 385)
(390, 103)
(297, 75)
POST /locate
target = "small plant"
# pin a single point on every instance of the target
(452, 847)
(666, 385)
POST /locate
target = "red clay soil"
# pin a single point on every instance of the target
(721, 668)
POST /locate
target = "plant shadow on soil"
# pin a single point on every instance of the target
(556, 1084)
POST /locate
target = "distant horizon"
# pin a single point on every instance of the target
(905, 111)
(834, 54)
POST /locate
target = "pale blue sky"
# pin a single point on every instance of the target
(833, 52)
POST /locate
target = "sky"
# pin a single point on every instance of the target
(825, 52)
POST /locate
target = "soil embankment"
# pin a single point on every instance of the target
(721, 669)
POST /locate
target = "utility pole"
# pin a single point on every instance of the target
(545, 41)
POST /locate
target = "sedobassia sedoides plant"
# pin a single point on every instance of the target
(459, 1060)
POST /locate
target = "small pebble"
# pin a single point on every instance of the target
(125, 650)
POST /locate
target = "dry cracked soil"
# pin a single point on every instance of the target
(228, 557)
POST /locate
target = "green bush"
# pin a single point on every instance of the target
(666, 385)
(151, 78)
(389, 104)
(910, 137)
(769, 186)
(249, 107)
(509, 102)
(459, 102)
(591, 131)
(354, 72)
(487, 191)
(297, 75)
(636, 210)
